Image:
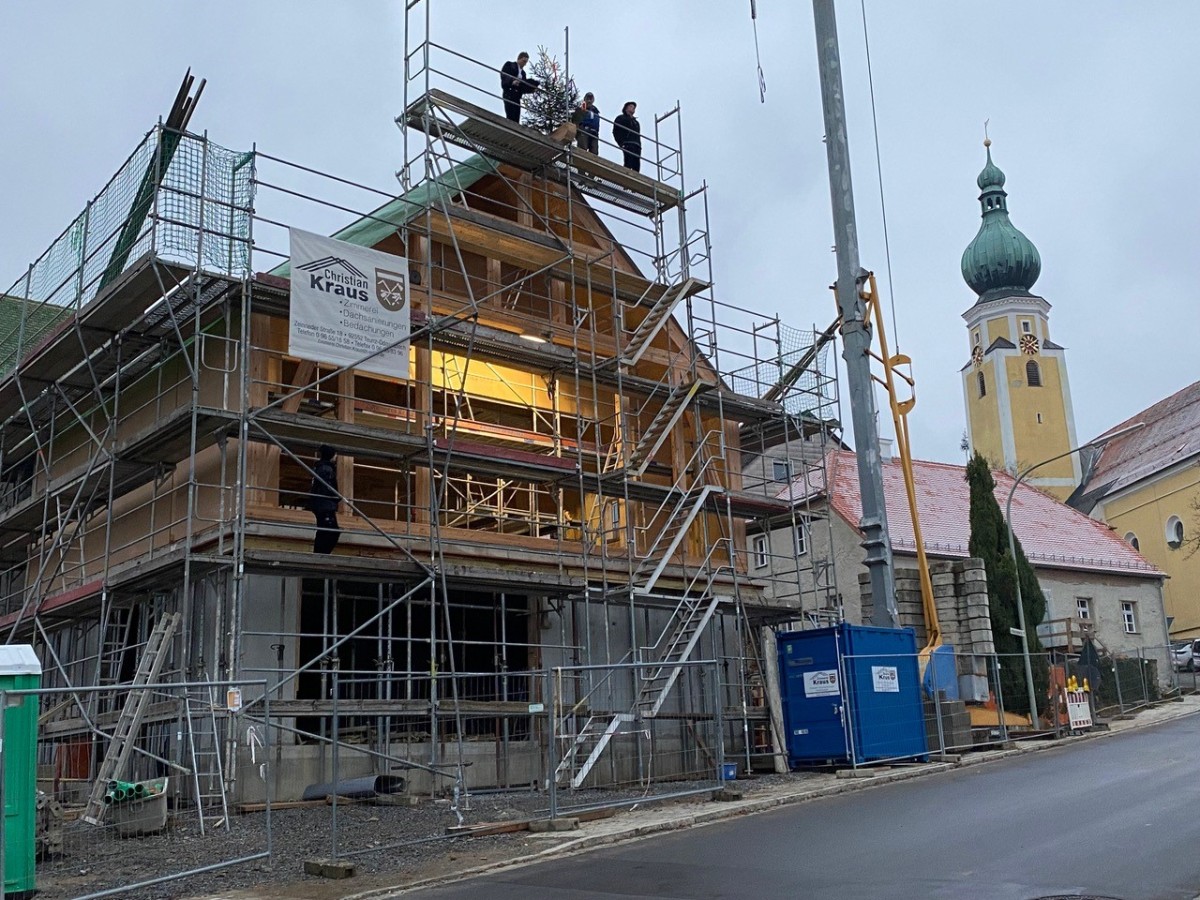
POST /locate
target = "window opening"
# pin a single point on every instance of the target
(1129, 616)
(1174, 532)
(1033, 375)
(760, 551)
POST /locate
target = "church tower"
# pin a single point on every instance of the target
(1015, 385)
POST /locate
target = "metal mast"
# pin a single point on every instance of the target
(856, 335)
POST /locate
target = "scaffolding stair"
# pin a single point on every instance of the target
(158, 647)
(679, 520)
(668, 416)
(679, 639)
(691, 618)
(204, 748)
(590, 743)
(658, 316)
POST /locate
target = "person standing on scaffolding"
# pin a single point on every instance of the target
(514, 85)
(588, 124)
(627, 132)
(323, 499)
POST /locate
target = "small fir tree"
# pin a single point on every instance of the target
(989, 542)
(556, 98)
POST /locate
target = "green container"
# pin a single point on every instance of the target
(20, 670)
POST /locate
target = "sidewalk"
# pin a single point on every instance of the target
(768, 792)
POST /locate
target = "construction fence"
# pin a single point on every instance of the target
(972, 702)
(132, 785)
(143, 785)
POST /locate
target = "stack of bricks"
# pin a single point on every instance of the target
(976, 627)
(960, 595)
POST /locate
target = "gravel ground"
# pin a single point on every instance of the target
(95, 860)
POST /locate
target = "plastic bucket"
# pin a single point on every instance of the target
(729, 771)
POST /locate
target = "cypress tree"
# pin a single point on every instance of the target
(989, 542)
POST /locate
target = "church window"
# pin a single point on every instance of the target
(982, 385)
(1039, 415)
(1174, 532)
(1026, 327)
(1033, 375)
(976, 337)
(1132, 540)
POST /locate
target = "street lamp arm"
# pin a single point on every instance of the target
(1012, 551)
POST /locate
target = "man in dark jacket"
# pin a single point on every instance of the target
(588, 135)
(323, 498)
(628, 135)
(514, 85)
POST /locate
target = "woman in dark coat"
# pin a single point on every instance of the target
(628, 135)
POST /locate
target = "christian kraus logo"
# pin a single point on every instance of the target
(335, 276)
(389, 290)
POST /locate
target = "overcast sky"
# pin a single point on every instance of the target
(1092, 109)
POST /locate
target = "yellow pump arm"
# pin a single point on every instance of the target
(900, 411)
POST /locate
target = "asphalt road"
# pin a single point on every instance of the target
(1117, 817)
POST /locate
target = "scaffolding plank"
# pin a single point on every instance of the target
(349, 438)
(169, 440)
(608, 180)
(135, 462)
(398, 568)
(481, 131)
(396, 707)
(503, 462)
(491, 134)
(139, 303)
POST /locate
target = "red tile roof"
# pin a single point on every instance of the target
(1170, 435)
(1052, 534)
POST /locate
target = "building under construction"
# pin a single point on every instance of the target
(543, 527)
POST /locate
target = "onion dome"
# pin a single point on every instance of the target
(1000, 261)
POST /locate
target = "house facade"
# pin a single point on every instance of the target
(1145, 485)
(1094, 582)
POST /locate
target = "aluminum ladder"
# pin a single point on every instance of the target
(158, 648)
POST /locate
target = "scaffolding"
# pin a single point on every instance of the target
(573, 478)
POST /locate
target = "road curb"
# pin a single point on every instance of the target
(726, 811)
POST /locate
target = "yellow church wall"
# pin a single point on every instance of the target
(1037, 441)
(984, 413)
(998, 328)
(1144, 510)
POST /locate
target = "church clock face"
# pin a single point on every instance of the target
(977, 355)
(1029, 345)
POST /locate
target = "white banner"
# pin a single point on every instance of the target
(347, 303)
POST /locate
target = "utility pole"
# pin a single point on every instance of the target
(856, 336)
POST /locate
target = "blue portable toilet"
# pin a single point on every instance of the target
(851, 693)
